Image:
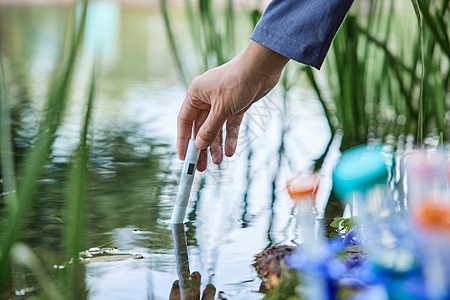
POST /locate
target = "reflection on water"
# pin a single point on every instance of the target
(187, 286)
(235, 210)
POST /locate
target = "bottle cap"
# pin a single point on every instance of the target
(434, 215)
(303, 186)
(359, 169)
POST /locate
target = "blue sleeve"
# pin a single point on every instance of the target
(301, 30)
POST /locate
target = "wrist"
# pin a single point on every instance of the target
(264, 60)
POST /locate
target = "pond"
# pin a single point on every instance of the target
(236, 209)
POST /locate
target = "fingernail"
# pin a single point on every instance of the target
(201, 144)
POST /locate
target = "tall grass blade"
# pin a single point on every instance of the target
(6, 147)
(77, 195)
(439, 33)
(194, 28)
(24, 255)
(396, 61)
(7, 166)
(230, 28)
(328, 113)
(172, 42)
(441, 140)
(213, 38)
(35, 160)
(421, 104)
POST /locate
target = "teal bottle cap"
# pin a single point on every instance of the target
(358, 170)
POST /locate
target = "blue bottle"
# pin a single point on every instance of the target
(361, 180)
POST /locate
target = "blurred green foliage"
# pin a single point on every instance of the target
(384, 79)
(20, 196)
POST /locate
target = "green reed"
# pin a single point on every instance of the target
(172, 41)
(422, 73)
(377, 90)
(21, 194)
(77, 198)
(353, 81)
(7, 169)
(212, 30)
(435, 16)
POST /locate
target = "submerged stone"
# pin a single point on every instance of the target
(268, 264)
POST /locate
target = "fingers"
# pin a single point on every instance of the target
(191, 120)
(186, 117)
(198, 122)
(202, 161)
(175, 291)
(196, 280)
(209, 292)
(216, 148)
(203, 157)
(211, 127)
(233, 124)
(206, 124)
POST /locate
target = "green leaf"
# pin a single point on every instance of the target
(337, 222)
(348, 224)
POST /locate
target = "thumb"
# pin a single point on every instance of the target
(210, 129)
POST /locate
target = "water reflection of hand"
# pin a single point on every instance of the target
(191, 289)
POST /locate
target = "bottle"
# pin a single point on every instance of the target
(429, 203)
(427, 178)
(303, 190)
(361, 180)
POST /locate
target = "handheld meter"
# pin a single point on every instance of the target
(186, 180)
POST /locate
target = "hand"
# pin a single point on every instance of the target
(191, 291)
(222, 95)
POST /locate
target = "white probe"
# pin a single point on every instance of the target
(184, 188)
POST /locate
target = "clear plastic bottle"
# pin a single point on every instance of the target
(303, 191)
(429, 203)
(361, 179)
(427, 178)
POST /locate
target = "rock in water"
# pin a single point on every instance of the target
(267, 265)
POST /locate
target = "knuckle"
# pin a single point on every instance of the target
(196, 82)
(181, 120)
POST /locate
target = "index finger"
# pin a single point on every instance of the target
(186, 117)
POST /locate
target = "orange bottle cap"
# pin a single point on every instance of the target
(303, 186)
(434, 216)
